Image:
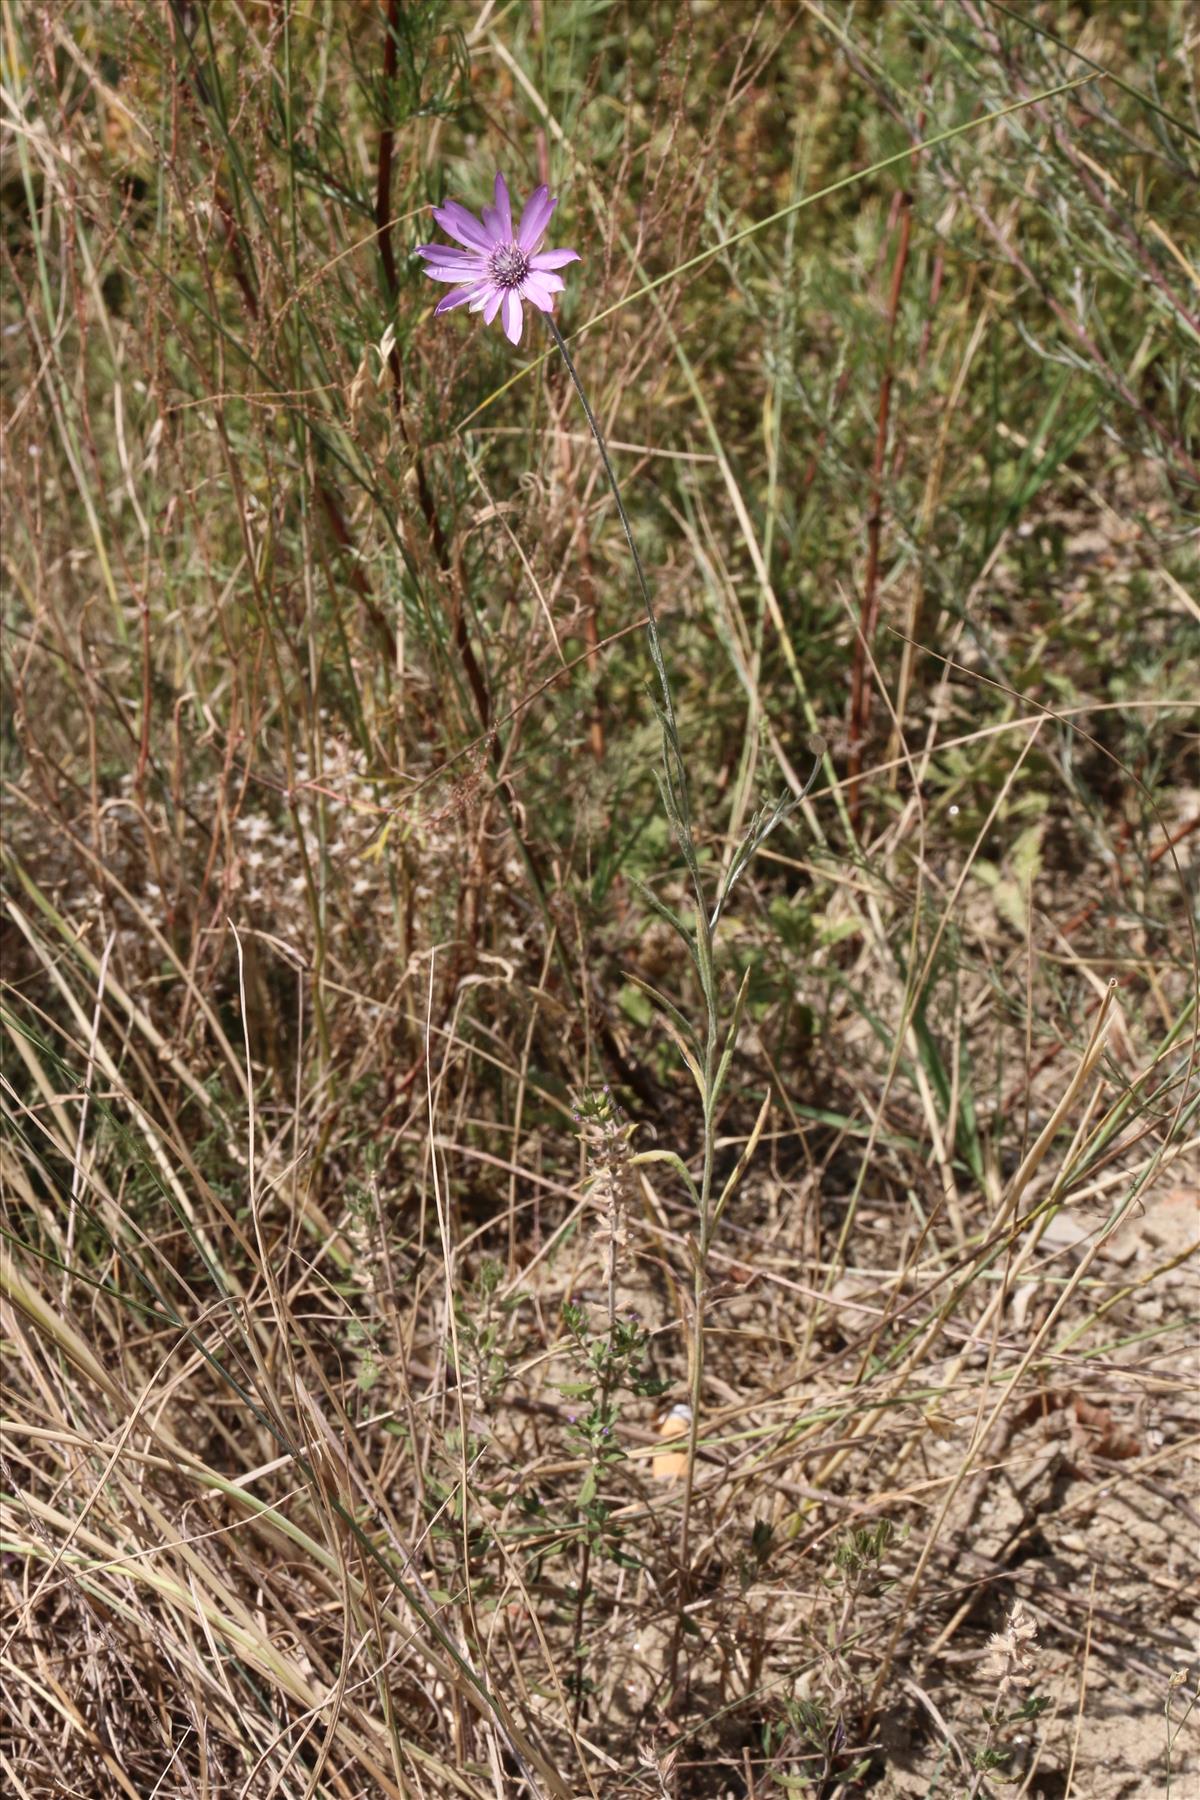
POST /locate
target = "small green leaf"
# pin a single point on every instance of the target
(635, 1005)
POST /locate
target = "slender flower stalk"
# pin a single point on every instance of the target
(708, 1078)
(493, 271)
(602, 447)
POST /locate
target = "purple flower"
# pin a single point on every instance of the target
(498, 267)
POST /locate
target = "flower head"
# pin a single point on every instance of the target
(1013, 1651)
(498, 267)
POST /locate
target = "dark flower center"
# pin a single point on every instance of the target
(508, 266)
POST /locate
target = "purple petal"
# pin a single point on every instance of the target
(549, 284)
(456, 297)
(466, 268)
(450, 253)
(553, 259)
(514, 318)
(537, 295)
(491, 305)
(535, 219)
(462, 225)
(473, 272)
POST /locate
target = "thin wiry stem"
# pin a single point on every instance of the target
(643, 584)
(677, 806)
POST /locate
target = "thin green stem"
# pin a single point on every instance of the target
(643, 584)
(677, 801)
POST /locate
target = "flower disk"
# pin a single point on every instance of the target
(508, 266)
(492, 268)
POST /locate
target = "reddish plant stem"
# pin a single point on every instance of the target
(391, 277)
(236, 252)
(383, 174)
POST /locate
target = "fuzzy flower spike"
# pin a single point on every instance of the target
(497, 268)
